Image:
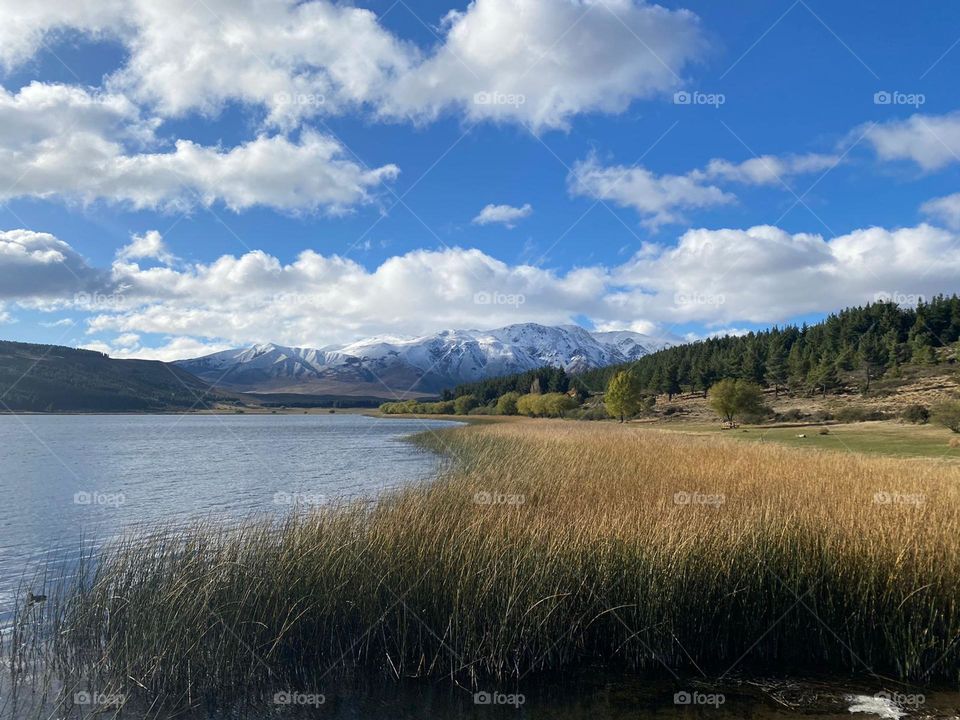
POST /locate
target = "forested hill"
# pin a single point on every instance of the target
(44, 378)
(848, 349)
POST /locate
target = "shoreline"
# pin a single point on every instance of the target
(369, 412)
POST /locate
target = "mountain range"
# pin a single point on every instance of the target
(390, 367)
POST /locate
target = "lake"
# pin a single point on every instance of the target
(71, 478)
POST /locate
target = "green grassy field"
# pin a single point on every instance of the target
(888, 438)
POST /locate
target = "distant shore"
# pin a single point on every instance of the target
(211, 411)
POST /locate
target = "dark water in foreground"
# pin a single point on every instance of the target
(590, 695)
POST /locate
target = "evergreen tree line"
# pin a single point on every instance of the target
(857, 345)
(545, 380)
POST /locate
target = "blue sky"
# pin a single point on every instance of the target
(629, 226)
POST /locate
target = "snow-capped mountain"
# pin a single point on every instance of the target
(391, 367)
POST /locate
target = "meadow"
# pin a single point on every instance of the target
(543, 545)
(885, 437)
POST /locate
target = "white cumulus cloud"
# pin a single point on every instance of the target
(541, 62)
(149, 246)
(769, 169)
(719, 278)
(553, 58)
(931, 141)
(504, 214)
(660, 199)
(945, 209)
(764, 274)
(40, 266)
(61, 141)
(663, 199)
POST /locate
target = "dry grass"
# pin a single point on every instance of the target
(921, 385)
(587, 554)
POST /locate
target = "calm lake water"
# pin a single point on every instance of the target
(68, 478)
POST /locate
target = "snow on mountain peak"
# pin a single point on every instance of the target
(385, 366)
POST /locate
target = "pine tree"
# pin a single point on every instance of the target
(657, 379)
(824, 376)
(798, 366)
(870, 357)
(751, 364)
(670, 385)
(776, 367)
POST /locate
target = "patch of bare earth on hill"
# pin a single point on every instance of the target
(889, 397)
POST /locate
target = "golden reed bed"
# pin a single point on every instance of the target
(546, 545)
